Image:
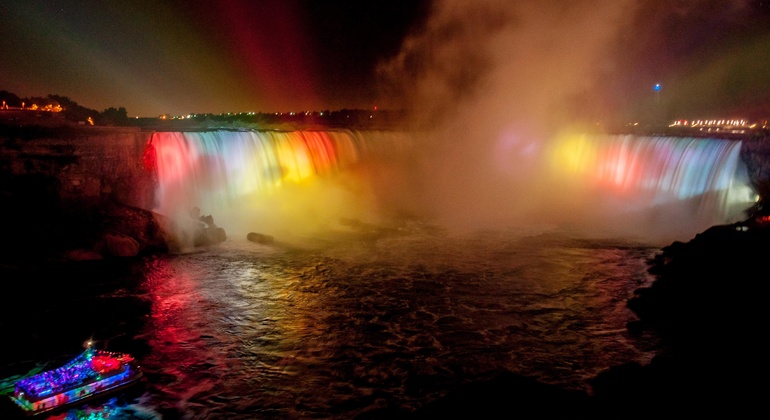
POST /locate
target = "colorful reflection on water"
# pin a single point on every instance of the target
(243, 330)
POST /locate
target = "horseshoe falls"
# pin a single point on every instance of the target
(298, 183)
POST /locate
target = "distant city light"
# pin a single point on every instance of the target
(724, 125)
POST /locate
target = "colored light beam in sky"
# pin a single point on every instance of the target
(270, 50)
(181, 57)
(141, 55)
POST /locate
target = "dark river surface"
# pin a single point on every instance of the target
(333, 327)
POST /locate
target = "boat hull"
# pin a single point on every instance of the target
(79, 395)
(91, 375)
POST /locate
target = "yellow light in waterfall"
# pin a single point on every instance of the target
(294, 159)
(573, 154)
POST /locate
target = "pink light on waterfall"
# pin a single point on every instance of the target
(217, 167)
(657, 179)
(308, 180)
(266, 180)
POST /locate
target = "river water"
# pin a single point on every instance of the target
(333, 326)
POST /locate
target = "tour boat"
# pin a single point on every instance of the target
(91, 374)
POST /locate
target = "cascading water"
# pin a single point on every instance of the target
(265, 180)
(681, 184)
(628, 185)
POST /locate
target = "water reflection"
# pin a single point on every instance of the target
(241, 329)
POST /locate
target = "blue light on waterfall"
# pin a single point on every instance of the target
(215, 169)
(708, 173)
(657, 87)
(289, 178)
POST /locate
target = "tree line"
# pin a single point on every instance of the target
(71, 110)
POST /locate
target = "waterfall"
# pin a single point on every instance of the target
(697, 182)
(265, 180)
(304, 180)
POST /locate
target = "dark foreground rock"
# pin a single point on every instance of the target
(708, 303)
(111, 230)
(126, 231)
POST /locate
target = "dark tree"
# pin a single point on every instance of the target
(10, 99)
(113, 116)
(72, 110)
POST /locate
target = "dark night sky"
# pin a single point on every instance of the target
(182, 57)
(179, 57)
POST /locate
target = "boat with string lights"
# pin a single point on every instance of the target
(91, 374)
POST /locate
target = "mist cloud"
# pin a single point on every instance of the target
(491, 81)
(492, 84)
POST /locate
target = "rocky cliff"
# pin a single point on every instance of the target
(82, 189)
(755, 153)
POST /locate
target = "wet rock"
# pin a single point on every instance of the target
(139, 224)
(117, 245)
(210, 236)
(260, 238)
(207, 233)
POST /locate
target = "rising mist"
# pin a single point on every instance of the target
(497, 87)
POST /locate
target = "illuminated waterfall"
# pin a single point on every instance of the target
(670, 178)
(251, 176)
(301, 180)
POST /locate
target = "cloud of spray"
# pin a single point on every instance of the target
(294, 213)
(493, 81)
(493, 85)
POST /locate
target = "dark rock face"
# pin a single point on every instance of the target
(88, 166)
(117, 231)
(708, 303)
(112, 230)
(755, 153)
(71, 192)
(715, 280)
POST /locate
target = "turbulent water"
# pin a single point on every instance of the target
(366, 319)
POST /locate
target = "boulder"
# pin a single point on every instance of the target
(260, 238)
(214, 235)
(116, 245)
(141, 225)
